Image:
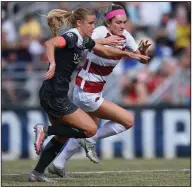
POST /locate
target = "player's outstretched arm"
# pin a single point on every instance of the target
(112, 41)
(109, 52)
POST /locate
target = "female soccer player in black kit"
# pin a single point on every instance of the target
(64, 53)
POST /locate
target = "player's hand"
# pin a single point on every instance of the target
(50, 72)
(143, 46)
(114, 41)
(137, 56)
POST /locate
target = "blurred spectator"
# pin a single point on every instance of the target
(99, 9)
(9, 34)
(13, 69)
(64, 5)
(166, 69)
(8, 68)
(31, 27)
(36, 50)
(132, 9)
(134, 91)
(182, 28)
(151, 12)
(154, 81)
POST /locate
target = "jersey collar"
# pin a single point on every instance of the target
(80, 38)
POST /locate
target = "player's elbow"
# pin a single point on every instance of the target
(48, 43)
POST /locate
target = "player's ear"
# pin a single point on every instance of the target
(79, 23)
(107, 22)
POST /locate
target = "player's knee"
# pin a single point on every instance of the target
(129, 121)
(91, 131)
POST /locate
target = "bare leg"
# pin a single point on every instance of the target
(121, 120)
(70, 149)
(78, 119)
(113, 112)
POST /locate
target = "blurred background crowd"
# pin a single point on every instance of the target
(166, 79)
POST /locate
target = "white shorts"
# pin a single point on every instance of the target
(89, 102)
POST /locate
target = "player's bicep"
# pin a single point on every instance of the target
(61, 42)
(56, 42)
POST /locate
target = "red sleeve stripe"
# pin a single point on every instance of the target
(61, 41)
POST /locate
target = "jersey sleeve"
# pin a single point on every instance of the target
(71, 39)
(89, 43)
(130, 42)
(99, 33)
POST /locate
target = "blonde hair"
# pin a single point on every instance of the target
(58, 18)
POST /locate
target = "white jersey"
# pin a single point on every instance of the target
(92, 77)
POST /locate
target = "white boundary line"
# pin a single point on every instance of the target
(103, 172)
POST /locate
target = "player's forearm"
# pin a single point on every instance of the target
(109, 51)
(142, 60)
(102, 41)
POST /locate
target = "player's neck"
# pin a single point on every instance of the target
(81, 33)
(109, 31)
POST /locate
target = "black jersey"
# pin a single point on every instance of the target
(67, 59)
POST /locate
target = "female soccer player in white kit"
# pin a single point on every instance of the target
(90, 82)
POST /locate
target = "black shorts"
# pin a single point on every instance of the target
(56, 106)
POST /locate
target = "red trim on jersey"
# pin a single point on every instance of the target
(90, 87)
(98, 70)
(97, 87)
(85, 65)
(108, 35)
(61, 41)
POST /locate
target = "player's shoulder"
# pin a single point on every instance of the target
(126, 34)
(74, 35)
(101, 29)
(71, 33)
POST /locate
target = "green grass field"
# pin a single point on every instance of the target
(118, 172)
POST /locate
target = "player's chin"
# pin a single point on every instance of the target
(89, 34)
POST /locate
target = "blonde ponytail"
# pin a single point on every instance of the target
(57, 18)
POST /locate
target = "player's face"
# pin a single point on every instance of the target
(88, 25)
(117, 25)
